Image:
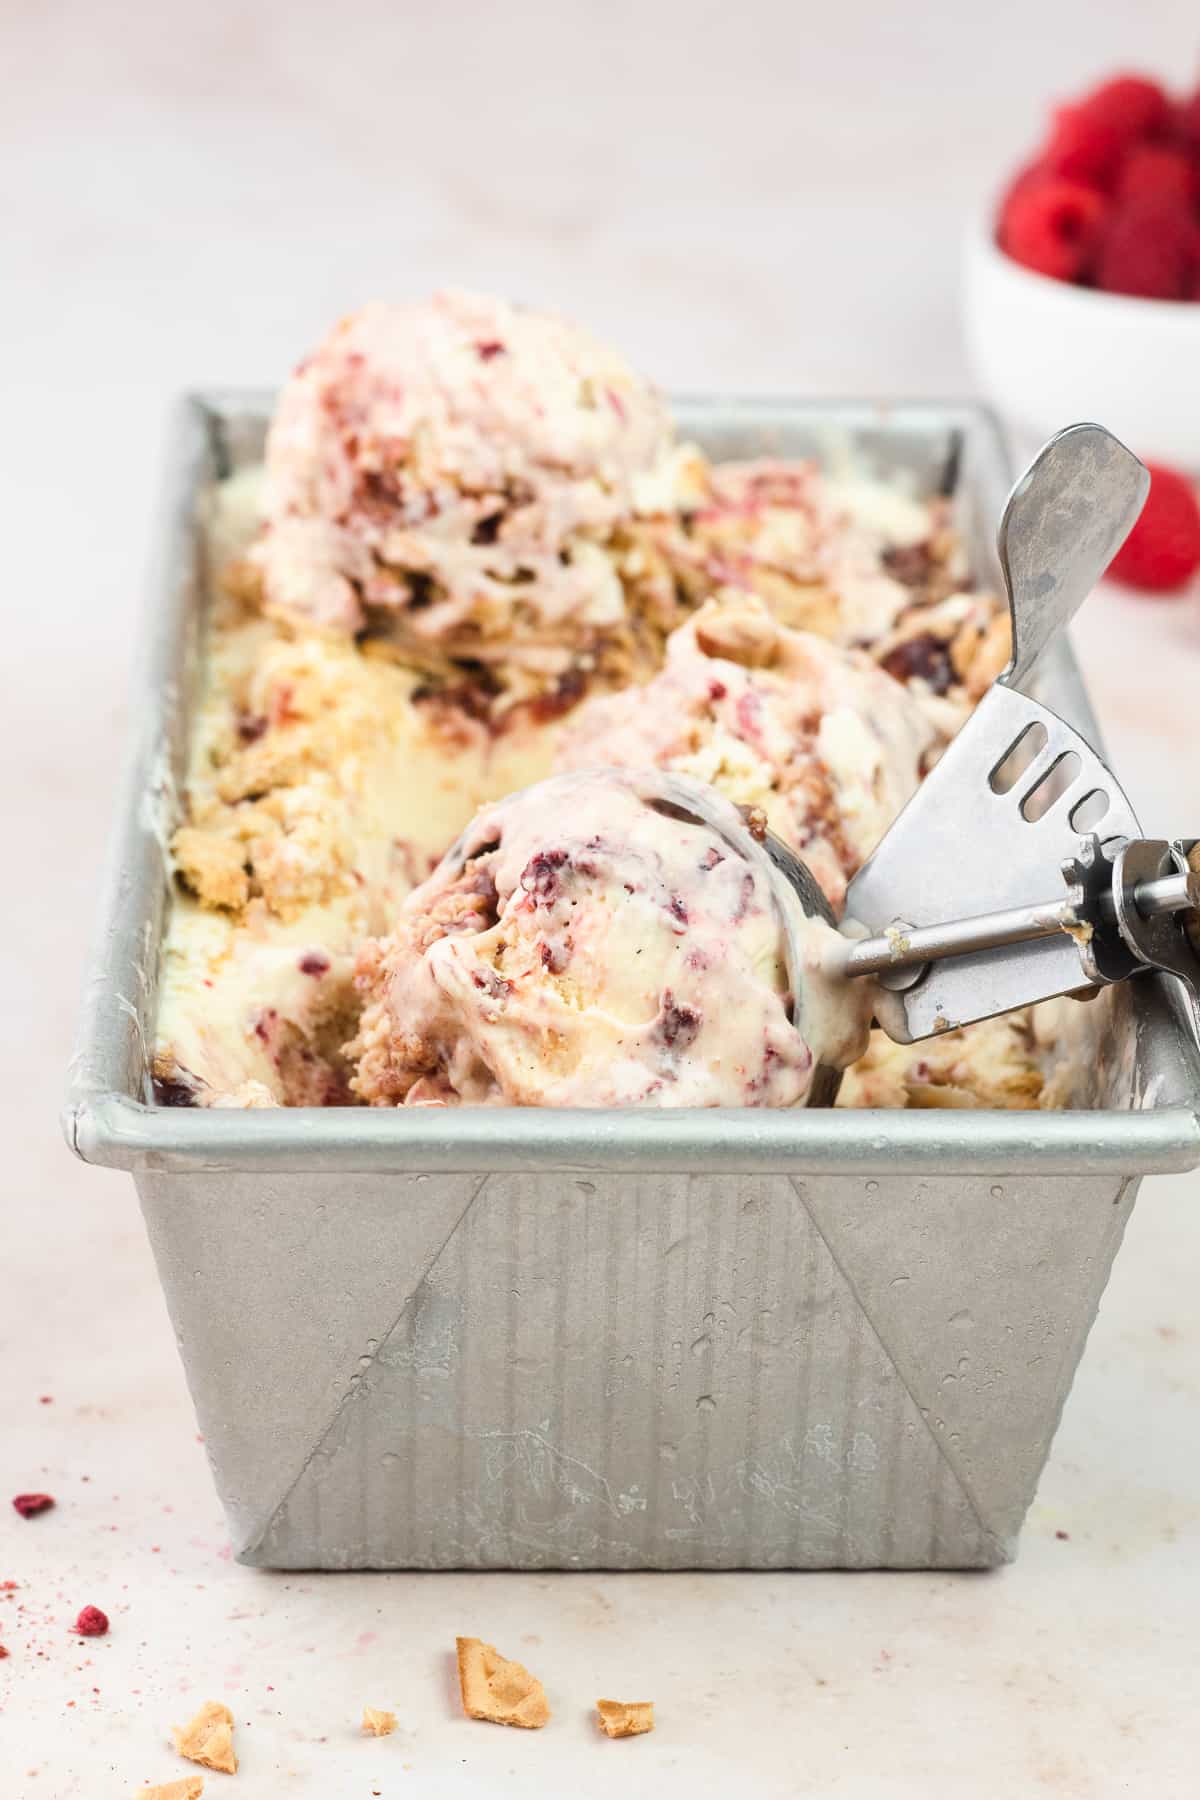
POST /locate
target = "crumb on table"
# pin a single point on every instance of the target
(625, 1718)
(208, 1738)
(503, 1692)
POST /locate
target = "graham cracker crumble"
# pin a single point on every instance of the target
(625, 1718)
(208, 1738)
(277, 778)
(190, 1788)
(213, 867)
(503, 1692)
(378, 1723)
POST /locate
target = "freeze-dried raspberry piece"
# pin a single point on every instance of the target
(1150, 250)
(91, 1622)
(1053, 226)
(1131, 105)
(29, 1505)
(1162, 552)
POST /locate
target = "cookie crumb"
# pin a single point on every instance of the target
(625, 1718)
(377, 1722)
(29, 1505)
(503, 1692)
(208, 1738)
(213, 867)
(190, 1788)
(91, 1622)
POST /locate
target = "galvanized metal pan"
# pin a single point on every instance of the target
(108, 1117)
(538, 1339)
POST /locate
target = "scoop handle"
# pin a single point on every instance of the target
(1063, 523)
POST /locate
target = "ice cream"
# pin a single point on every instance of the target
(320, 789)
(447, 474)
(582, 946)
(301, 841)
(855, 560)
(478, 554)
(997, 1062)
(814, 548)
(826, 744)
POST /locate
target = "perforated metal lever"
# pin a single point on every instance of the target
(1019, 792)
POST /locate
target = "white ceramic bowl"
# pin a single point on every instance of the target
(1047, 353)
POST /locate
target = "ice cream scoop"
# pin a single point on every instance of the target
(448, 472)
(1018, 792)
(826, 744)
(607, 937)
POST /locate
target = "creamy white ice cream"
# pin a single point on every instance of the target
(582, 947)
(456, 466)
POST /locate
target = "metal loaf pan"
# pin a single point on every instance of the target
(523, 1339)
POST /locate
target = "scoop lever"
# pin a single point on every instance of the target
(964, 870)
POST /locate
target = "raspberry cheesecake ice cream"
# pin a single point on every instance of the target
(593, 942)
(447, 474)
(854, 560)
(477, 554)
(826, 744)
(319, 790)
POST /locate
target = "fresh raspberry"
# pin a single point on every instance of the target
(1158, 173)
(1185, 123)
(1032, 175)
(1162, 552)
(91, 1622)
(29, 1505)
(1053, 226)
(1084, 149)
(1150, 250)
(1131, 105)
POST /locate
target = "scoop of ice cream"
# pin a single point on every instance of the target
(582, 947)
(828, 746)
(456, 466)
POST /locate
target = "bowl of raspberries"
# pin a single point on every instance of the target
(1083, 277)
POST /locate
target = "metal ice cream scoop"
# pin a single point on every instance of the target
(961, 921)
